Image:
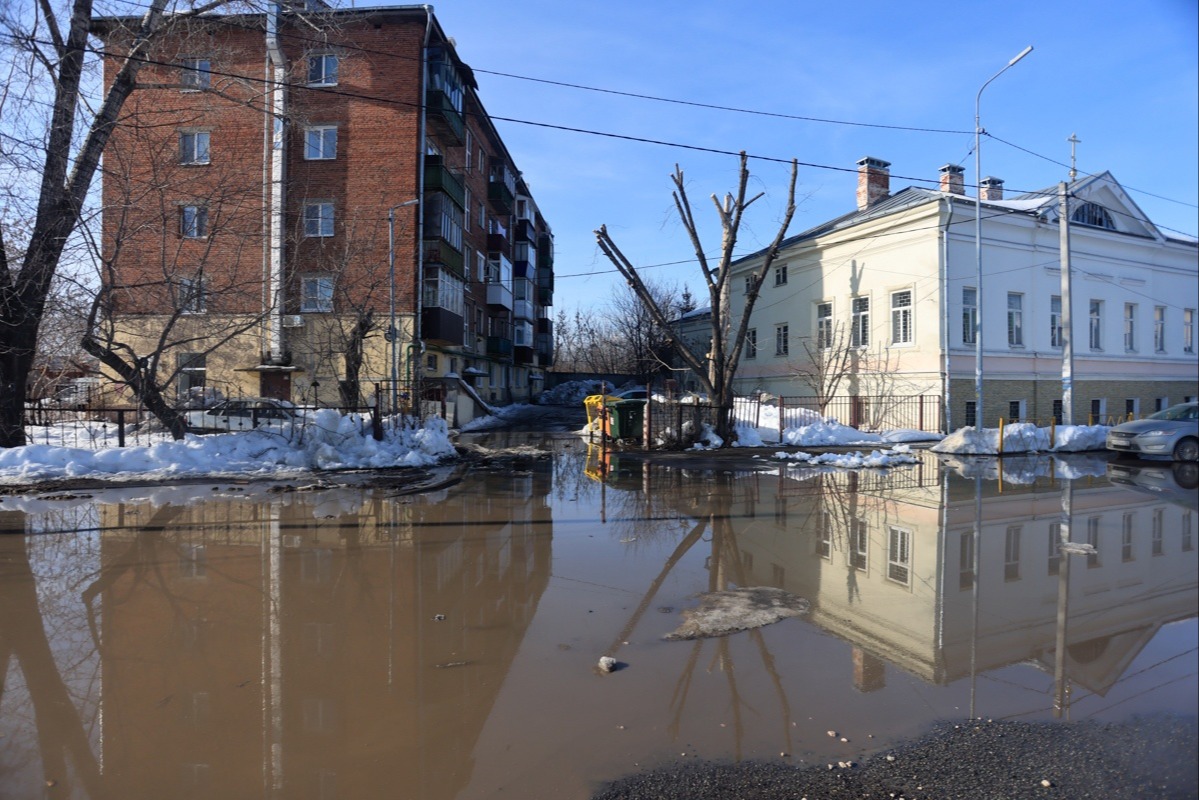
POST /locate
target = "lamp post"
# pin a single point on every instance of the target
(978, 245)
(392, 333)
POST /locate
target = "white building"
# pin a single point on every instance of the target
(893, 283)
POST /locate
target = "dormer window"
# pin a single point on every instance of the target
(1094, 215)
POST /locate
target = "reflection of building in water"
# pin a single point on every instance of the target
(889, 564)
(311, 648)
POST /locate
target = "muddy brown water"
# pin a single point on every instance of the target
(243, 641)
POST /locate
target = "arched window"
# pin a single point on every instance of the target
(1094, 215)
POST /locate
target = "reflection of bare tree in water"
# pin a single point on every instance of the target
(727, 569)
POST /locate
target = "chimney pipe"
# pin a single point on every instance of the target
(874, 181)
(990, 188)
(951, 179)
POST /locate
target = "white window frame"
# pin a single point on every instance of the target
(969, 315)
(1095, 324)
(782, 339)
(320, 143)
(1130, 327)
(1188, 330)
(824, 325)
(318, 219)
(902, 322)
(467, 150)
(1159, 329)
(899, 555)
(195, 147)
(316, 294)
(780, 275)
(1055, 321)
(195, 73)
(859, 335)
(751, 344)
(1015, 319)
(193, 221)
(324, 75)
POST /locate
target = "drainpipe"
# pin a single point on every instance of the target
(418, 345)
(946, 319)
(278, 186)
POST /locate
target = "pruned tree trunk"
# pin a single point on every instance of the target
(717, 367)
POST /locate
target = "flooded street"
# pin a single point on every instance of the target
(255, 640)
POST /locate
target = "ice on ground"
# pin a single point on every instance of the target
(500, 417)
(328, 441)
(724, 613)
(900, 454)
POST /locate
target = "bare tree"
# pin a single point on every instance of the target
(716, 370)
(832, 360)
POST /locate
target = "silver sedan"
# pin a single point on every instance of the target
(1172, 433)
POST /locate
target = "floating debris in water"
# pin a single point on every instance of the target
(723, 613)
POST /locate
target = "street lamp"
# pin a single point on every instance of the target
(392, 334)
(978, 245)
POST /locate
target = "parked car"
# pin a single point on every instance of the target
(1172, 433)
(241, 414)
(633, 393)
(1175, 482)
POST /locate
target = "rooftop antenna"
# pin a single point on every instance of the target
(1073, 140)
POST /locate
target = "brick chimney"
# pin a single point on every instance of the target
(991, 188)
(874, 181)
(951, 179)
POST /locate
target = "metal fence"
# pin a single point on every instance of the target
(864, 412)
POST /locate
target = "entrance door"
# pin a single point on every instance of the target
(275, 384)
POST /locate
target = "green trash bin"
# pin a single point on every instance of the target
(627, 419)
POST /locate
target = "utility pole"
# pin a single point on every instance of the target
(1063, 220)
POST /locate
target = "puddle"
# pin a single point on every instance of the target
(217, 641)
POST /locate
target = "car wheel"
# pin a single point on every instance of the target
(1187, 450)
(1186, 475)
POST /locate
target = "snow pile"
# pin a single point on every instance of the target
(329, 441)
(500, 416)
(1025, 469)
(900, 454)
(707, 439)
(725, 613)
(828, 432)
(1023, 437)
(748, 436)
(569, 393)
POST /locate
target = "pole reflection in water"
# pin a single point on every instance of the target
(356, 642)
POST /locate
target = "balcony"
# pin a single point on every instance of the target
(545, 349)
(438, 253)
(501, 188)
(545, 297)
(545, 252)
(441, 326)
(499, 295)
(438, 178)
(497, 242)
(443, 116)
(545, 278)
(499, 346)
(545, 327)
(523, 309)
(525, 231)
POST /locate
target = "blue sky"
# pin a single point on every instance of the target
(1123, 77)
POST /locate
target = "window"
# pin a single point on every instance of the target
(444, 290)
(1098, 410)
(192, 371)
(971, 413)
(431, 362)
(1157, 536)
(782, 336)
(1160, 403)
(749, 283)
(193, 222)
(191, 297)
(481, 264)
(1094, 215)
(859, 541)
(1126, 551)
(1015, 410)
(1015, 319)
(824, 535)
(969, 315)
(1055, 321)
(1132, 407)
(1188, 330)
(193, 147)
(1011, 554)
(899, 555)
(1057, 411)
(465, 216)
(1159, 329)
(1188, 543)
(824, 325)
(860, 332)
(1130, 330)
(318, 219)
(1096, 324)
(320, 143)
(901, 317)
(322, 70)
(966, 561)
(751, 343)
(316, 294)
(195, 73)
(467, 152)
(780, 275)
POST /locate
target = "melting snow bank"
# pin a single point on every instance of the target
(329, 441)
(723, 613)
(1024, 437)
(829, 432)
(900, 454)
(1026, 468)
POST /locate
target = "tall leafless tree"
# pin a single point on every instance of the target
(715, 369)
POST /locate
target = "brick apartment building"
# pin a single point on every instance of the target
(278, 184)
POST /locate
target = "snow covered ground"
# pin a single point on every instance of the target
(329, 441)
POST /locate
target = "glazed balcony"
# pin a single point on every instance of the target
(499, 346)
(439, 178)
